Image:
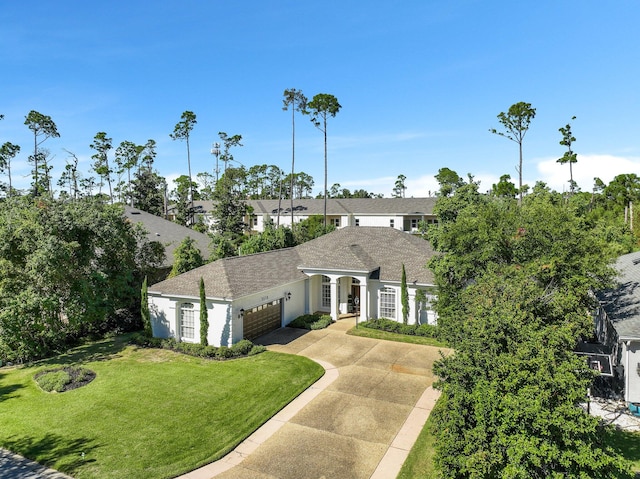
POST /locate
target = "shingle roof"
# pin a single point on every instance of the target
(168, 233)
(622, 304)
(377, 250)
(339, 206)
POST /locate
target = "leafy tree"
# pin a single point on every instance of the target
(127, 158)
(43, 128)
(182, 131)
(622, 190)
(569, 156)
(504, 188)
(8, 151)
(183, 194)
(404, 296)
(204, 315)
(400, 188)
(516, 123)
(144, 309)
(230, 205)
(321, 107)
(67, 267)
(271, 238)
(513, 287)
(149, 191)
(510, 398)
(295, 100)
(102, 144)
(449, 181)
(186, 256)
(310, 228)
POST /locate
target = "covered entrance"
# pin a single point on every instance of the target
(262, 319)
(353, 306)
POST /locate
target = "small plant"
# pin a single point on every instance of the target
(311, 321)
(64, 379)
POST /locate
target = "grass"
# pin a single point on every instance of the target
(627, 444)
(403, 338)
(419, 463)
(148, 413)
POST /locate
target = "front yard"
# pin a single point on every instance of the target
(148, 412)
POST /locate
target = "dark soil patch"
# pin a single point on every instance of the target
(76, 377)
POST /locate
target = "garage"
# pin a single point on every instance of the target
(262, 319)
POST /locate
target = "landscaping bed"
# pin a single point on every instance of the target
(311, 321)
(148, 412)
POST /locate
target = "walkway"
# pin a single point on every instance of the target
(359, 421)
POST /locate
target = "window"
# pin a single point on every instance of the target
(387, 303)
(335, 222)
(326, 292)
(187, 324)
(255, 220)
(391, 223)
(414, 224)
(357, 221)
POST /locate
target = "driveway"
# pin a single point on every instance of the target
(358, 422)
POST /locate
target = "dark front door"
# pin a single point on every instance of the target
(355, 298)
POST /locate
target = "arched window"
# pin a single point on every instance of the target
(187, 321)
(387, 303)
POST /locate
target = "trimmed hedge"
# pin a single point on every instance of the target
(311, 321)
(384, 324)
(240, 349)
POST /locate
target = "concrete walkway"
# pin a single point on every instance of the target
(359, 421)
(13, 466)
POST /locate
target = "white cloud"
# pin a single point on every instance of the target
(588, 167)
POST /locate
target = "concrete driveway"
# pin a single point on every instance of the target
(357, 422)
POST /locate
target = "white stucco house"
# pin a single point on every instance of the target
(403, 214)
(353, 270)
(617, 324)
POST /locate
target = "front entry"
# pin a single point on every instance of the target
(354, 300)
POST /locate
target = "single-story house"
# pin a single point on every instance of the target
(168, 234)
(353, 270)
(617, 324)
(403, 214)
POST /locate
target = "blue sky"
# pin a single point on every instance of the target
(420, 83)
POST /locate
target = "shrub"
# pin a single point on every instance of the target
(64, 378)
(384, 324)
(311, 321)
(53, 381)
(242, 348)
(257, 349)
(427, 330)
(223, 352)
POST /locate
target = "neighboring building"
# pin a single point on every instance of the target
(167, 233)
(349, 271)
(617, 323)
(403, 214)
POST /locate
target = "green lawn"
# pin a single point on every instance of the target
(148, 413)
(419, 463)
(402, 338)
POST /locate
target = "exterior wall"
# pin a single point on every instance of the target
(293, 302)
(224, 327)
(366, 220)
(632, 371)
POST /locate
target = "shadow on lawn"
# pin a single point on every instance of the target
(99, 351)
(625, 443)
(51, 450)
(7, 390)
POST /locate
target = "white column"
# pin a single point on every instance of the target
(335, 305)
(364, 300)
(413, 313)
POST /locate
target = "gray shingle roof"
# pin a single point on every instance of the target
(377, 250)
(168, 233)
(339, 206)
(622, 304)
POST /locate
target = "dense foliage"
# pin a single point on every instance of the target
(514, 298)
(67, 267)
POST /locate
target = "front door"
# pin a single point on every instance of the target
(355, 298)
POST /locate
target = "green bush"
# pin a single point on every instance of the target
(242, 348)
(390, 326)
(257, 349)
(311, 321)
(53, 381)
(224, 352)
